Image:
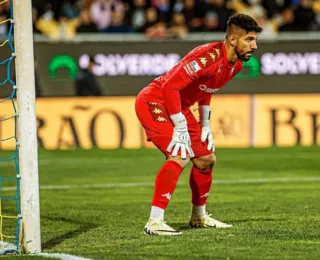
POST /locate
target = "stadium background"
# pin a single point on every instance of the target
(131, 51)
(271, 195)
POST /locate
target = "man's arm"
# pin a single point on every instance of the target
(179, 79)
(205, 116)
(206, 132)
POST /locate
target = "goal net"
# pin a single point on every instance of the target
(19, 188)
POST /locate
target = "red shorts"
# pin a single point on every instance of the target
(159, 128)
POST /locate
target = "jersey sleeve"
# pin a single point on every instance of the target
(179, 78)
(203, 64)
(239, 67)
(205, 101)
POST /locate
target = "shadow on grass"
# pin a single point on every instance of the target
(180, 226)
(83, 228)
(256, 220)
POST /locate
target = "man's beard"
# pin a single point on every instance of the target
(244, 57)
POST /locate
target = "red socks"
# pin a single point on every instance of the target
(200, 184)
(167, 178)
(165, 183)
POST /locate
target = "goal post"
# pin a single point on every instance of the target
(27, 135)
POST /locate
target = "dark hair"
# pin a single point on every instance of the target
(244, 22)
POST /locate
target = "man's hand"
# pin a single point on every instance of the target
(180, 138)
(206, 133)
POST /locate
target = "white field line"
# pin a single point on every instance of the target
(8, 246)
(62, 256)
(144, 184)
(74, 160)
(150, 184)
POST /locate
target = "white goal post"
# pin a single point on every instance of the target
(27, 135)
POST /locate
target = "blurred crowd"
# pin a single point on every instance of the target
(165, 18)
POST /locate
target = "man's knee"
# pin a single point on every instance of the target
(205, 162)
(183, 162)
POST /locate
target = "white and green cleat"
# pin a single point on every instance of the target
(206, 221)
(159, 227)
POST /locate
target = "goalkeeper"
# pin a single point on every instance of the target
(163, 110)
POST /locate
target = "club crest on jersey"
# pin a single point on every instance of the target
(220, 68)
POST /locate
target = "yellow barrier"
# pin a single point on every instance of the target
(65, 123)
(230, 120)
(287, 120)
(111, 122)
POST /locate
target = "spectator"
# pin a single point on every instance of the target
(34, 20)
(117, 23)
(210, 22)
(221, 10)
(4, 15)
(274, 7)
(153, 28)
(178, 6)
(163, 9)
(136, 14)
(86, 4)
(69, 9)
(86, 83)
(178, 28)
(65, 18)
(304, 16)
(101, 12)
(192, 14)
(158, 31)
(151, 19)
(85, 24)
(270, 27)
(47, 24)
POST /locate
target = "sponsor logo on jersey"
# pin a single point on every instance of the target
(212, 56)
(188, 69)
(157, 111)
(217, 51)
(204, 88)
(192, 67)
(161, 119)
(195, 66)
(154, 103)
(203, 61)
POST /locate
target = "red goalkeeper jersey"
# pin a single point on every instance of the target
(202, 72)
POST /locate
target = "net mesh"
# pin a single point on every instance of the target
(10, 213)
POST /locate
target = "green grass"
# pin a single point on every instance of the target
(272, 220)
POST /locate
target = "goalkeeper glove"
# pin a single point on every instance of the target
(206, 133)
(180, 138)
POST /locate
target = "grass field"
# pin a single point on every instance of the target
(94, 204)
